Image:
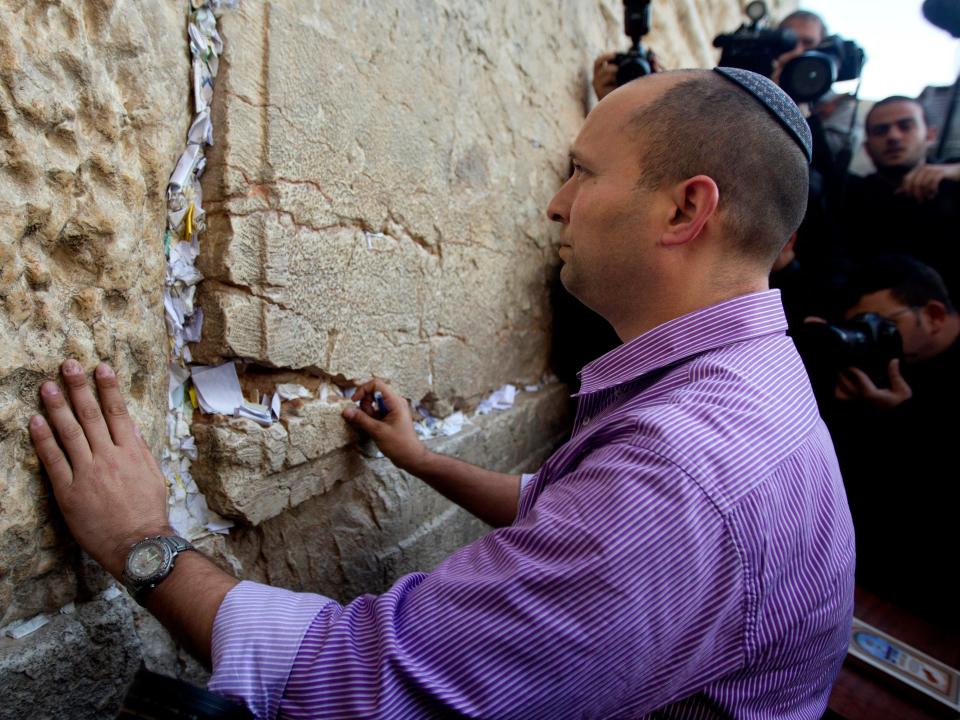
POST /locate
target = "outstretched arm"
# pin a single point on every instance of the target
(491, 496)
(112, 494)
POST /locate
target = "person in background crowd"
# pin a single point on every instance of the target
(907, 206)
(832, 116)
(895, 443)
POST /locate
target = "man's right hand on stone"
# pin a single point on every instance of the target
(490, 495)
(112, 494)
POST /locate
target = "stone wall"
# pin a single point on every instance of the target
(375, 200)
(92, 113)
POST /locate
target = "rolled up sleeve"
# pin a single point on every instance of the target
(256, 636)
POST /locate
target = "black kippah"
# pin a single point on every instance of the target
(776, 102)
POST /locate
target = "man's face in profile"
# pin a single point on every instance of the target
(897, 136)
(608, 227)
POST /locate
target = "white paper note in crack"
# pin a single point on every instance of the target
(256, 412)
(184, 170)
(218, 388)
(201, 131)
(452, 424)
(275, 406)
(501, 399)
(290, 391)
(220, 526)
(180, 265)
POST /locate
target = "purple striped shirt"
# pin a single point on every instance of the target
(687, 553)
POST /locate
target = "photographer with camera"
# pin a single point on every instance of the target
(894, 431)
(611, 70)
(907, 206)
(832, 115)
(606, 67)
(805, 61)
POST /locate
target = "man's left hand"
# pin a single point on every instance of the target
(108, 485)
(923, 182)
(854, 384)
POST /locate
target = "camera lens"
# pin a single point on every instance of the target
(631, 68)
(757, 10)
(808, 76)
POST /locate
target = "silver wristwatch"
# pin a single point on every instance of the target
(149, 562)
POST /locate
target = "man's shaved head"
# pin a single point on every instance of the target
(704, 124)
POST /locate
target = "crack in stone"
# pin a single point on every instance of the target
(417, 238)
(218, 284)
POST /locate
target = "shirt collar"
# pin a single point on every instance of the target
(735, 320)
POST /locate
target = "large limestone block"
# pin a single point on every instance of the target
(380, 204)
(252, 473)
(93, 111)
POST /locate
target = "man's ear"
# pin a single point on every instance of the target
(936, 314)
(695, 202)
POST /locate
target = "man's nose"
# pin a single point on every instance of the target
(559, 208)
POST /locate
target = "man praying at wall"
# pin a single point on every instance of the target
(688, 551)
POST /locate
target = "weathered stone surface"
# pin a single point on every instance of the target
(388, 218)
(77, 667)
(92, 116)
(252, 473)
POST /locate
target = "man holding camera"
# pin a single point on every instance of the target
(808, 27)
(895, 441)
(833, 112)
(689, 550)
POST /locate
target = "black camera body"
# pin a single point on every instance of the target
(754, 48)
(810, 75)
(867, 341)
(635, 62)
(804, 78)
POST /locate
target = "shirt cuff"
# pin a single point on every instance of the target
(256, 636)
(525, 480)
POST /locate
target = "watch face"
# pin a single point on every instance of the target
(146, 560)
